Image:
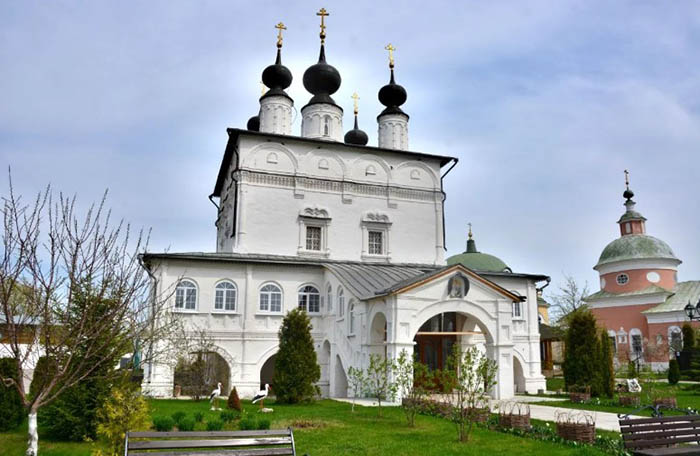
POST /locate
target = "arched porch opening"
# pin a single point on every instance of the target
(198, 373)
(267, 371)
(518, 376)
(324, 362)
(340, 388)
(377, 335)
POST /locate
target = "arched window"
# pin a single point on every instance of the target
(270, 298)
(329, 298)
(351, 317)
(341, 302)
(327, 126)
(186, 295)
(309, 299)
(225, 296)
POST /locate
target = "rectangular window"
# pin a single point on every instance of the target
(637, 343)
(276, 302)
(219, 300)
(313, 238)
(376, 243)
(517, 312)
(191, 299)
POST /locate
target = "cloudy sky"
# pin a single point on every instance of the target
(544, 102)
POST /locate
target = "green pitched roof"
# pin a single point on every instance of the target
(635, 246)
(653, 289)
(683, 293)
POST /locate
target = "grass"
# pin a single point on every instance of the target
(328, 428)
(687, 395)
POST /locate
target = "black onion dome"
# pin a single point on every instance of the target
(322, 80)
(253, 124)
(628, 194)
(392, 96)
(356, 136)
(277, 77)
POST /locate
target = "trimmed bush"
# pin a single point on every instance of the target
(234, 402)
(10, 400)
(607, 370)
(674, 372)
(582, 359)
(178, 416)
(296, 368)
(163, 423)
(631, 370)
(123, 410)
(215, 425)
(186, 424)
(229, 415)
(247, 423)
(688, 337)
(263, 424)
(199, 417)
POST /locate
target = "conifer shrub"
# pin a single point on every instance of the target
(263, 424)
(178, 416)
(674, 372)
(632, 370)
(125, 409)
(296, 368)
(688, 337)
(229, 415)
(163, 423)
(11, 410)
(607, 370)
(43, 373)
(215, 425)
(199, 417)
(234, 402)
(186, 424)
(582, 358)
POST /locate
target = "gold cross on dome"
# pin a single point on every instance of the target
(355, 97)
(391, 50)
(470, 230)
(279, 28)
(323, 13)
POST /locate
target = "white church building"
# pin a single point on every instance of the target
(353, 234)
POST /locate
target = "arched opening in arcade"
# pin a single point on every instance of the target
(377, 335)
(267, 372)
(436, 338)
(198, 373)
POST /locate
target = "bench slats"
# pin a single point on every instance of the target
(659, 442)
(189, 434)
(659, 427)
(663, 419)
(660, 434)
(245, 452)
(685, 451)
(171, 444)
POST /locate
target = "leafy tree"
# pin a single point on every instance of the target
(469, 377)
(378, 384)
(296, 368)
(125, 409)
(582, 366)
(607, 370)
(688, 337)
(674, 372)
(412, 381)
(10, 402)
(356, 378)
(568, 300)
(234, 402)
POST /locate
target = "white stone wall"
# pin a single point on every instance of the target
(276, 115)
(322, 121)
(278, 181)
(393, 131)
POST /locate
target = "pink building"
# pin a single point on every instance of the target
(640, 302)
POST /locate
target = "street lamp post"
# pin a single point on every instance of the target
(692, 312)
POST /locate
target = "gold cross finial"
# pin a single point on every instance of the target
(279, 28)
(355, 97)
(627, 179)
(323, 13)
(470, 230)
(391, 50)
(263, 88)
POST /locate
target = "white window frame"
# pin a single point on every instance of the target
(329, 297)
(517, 311)
(181, 285)
(352, 324)
(612, 335)
(304, 297)
(315, 222)
(269, 294)
(383, 227)
(311, 228)
(626, 280)
(673, 330)
(341, 303)
(226, 292)
(632, 334)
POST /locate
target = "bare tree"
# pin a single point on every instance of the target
(570, 298)
(50, 255)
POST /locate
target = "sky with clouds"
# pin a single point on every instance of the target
(545, 103)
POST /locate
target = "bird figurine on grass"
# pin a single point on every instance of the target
(262, 394)
(214, 396)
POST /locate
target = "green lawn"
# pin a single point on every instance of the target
(332, 429)
(687, 395)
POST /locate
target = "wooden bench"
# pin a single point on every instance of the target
(273, 442)
(659, 436)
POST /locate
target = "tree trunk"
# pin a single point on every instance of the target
(33, 439)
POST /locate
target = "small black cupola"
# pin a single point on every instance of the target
(392, 95)
(277, 76)
(253, 123)
(356, 136)
(321, 79)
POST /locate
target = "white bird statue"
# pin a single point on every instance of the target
(262, 394)
(214, 394)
